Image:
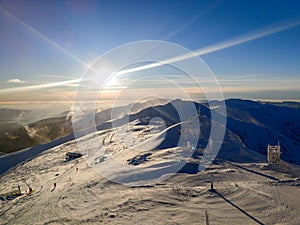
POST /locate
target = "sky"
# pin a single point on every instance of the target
(46, 47)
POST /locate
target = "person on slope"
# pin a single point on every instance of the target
(30, 190)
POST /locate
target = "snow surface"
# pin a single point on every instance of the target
(245, 193)
(127, 176)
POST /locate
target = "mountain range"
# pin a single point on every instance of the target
(251, 126)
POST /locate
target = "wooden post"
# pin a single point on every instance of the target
(206, 218)
(211, 183)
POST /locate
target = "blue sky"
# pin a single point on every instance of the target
(49, 41)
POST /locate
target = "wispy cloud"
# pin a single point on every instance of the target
(15, 81)
(41, 86)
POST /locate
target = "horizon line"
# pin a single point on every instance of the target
(101, 101)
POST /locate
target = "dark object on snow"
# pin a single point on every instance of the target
(206, 218)
(54, 186)
(10, 195)
(189, 168)
(137, 160)
(211, 183)
(73, 155)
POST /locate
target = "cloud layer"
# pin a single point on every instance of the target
(15, 81)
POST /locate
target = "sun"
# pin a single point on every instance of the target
(112, 83)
